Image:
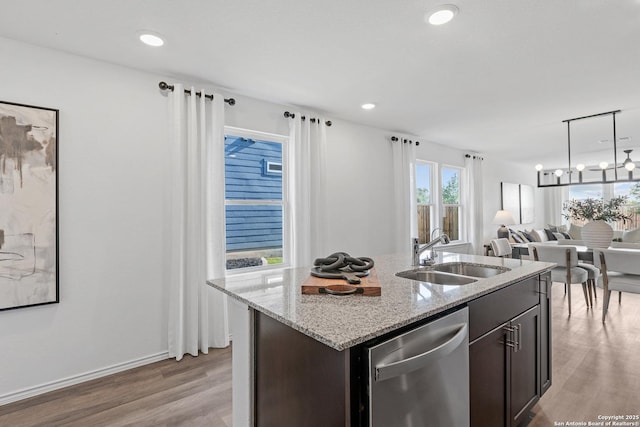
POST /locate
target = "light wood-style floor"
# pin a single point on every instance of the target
(193, 392)
(596, 371)
(596, 366)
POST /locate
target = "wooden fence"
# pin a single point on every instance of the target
(450, 223)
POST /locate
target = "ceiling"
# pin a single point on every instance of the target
(500, 77)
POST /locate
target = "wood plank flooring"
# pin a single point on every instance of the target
(193, 392)
(596, 366)
(596, 371)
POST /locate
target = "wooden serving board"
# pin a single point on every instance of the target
(369, 285)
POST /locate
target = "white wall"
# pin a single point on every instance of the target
(496, 170)
(112, 161)
(113, 174)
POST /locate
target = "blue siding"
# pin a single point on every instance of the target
(258, 226)
(253, 227)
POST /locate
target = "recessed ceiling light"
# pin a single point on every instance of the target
(441, 14)
(368, 106)
(151, 39)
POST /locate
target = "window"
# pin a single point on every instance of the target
(254, 202)
(451, 206)
(432, 198)
(425, 199)
(606, 191)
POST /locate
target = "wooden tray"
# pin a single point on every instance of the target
(368, 287)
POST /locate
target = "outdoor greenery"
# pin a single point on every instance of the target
(423, 196)
(595, 209)
(451, 191)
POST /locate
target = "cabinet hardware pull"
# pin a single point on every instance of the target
(508, 343)
(519, 338)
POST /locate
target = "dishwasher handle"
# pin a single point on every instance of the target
(384, 372)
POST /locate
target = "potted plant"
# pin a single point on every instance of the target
(596, 233)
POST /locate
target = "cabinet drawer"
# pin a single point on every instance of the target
(496, 308)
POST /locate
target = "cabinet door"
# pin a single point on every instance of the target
(488, 379)
(545, 332)
(525, 365)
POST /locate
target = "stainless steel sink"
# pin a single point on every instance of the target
(466, 269)
(436, 277)
(452, 273)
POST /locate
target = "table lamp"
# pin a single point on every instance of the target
(503, 218)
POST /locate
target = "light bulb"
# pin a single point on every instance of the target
(558, 172)
(580, 167)
(368, 106)
(539, 167)
(603, 165)
(630, 166)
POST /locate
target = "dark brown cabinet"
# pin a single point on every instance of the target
(506, 353)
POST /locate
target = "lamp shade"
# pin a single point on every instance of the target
(503, 218)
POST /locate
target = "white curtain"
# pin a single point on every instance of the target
(307, 160)
(197, 313)
(405, 203)
(553, 199)
(473, 203)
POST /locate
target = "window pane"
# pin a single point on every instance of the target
(253, 169)
(423, 183)
(581, 192)
(450, 186)
(254, 235)
(632, 207)
(451, 222)
(424, 223)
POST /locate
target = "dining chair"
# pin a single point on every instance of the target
(566, 270)
(592, 270)
(501, 247)
(620, 272)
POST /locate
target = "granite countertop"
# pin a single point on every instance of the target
(341, 322)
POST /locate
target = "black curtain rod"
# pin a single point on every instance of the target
(474, 156)
(165, 86)
(395, 138)
(313, 119)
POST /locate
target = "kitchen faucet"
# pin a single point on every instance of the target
(418, 250)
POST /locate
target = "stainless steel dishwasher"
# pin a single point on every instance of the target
(421, 378)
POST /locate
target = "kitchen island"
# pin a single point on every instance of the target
(307, 350)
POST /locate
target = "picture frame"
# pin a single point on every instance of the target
(527, 202)
(511, 200)
(29, 259)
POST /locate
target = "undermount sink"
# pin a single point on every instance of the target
(473, 270)
(453, 273)
(436, 277)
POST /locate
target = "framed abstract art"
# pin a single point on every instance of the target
(28, 206)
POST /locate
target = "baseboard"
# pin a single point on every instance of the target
(80, 378)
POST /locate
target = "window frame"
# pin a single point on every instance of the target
(284, 203)
(437, 203)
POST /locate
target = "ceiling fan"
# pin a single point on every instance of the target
(627, 164)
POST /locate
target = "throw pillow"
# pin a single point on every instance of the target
(557, 228)
(566, 235)
(516, 237)
(631, 236)
(533, 234)
(550, 235)
(575, 231)
(542, 236)
(558, 236)
(528, 236)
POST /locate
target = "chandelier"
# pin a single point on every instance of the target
(601, 173)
